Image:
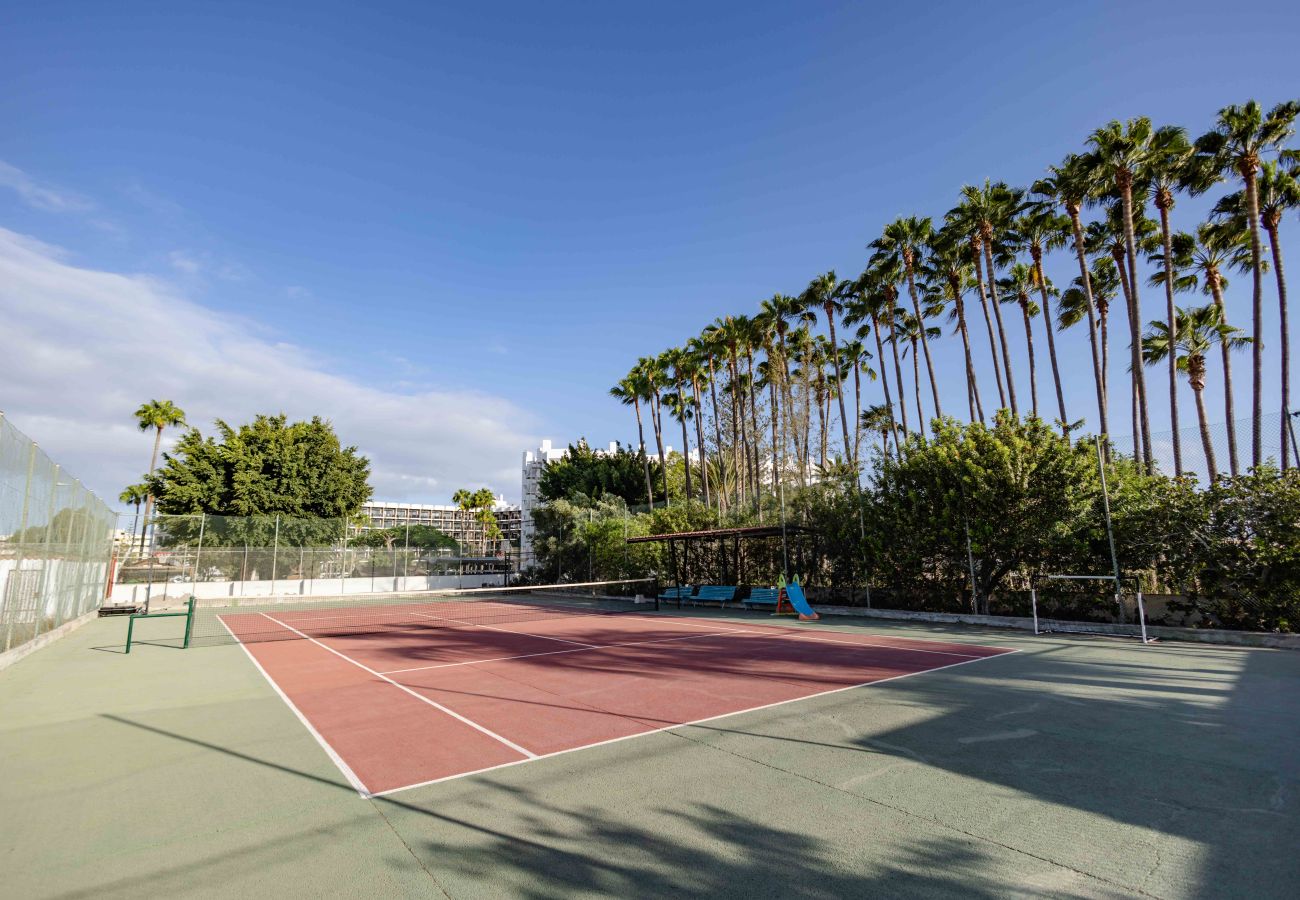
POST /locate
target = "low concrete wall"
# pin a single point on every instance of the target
(17, 653)
(1164, 632)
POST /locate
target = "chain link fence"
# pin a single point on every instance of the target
(56, 541)
(169, 558)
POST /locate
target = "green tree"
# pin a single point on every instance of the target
(585, 475)
(902, 243)
(267, 468)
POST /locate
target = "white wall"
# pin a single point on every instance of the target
(294, 587)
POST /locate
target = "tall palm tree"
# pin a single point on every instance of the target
(135, 494)
(629, 391)
(863, 310)
(880, 419)
(1068, 185)
(826, 293)
(1199, 329)
(1120, 151)
(1109, 236)
(986, 213)
(750, 340)
(1015, 287)
(1236, 145)
(949, 273)
(1165, 167)
(1204, 259)
(901, 243)
(653, 378)
(156, 415)
(699, 352)
(679, 364)
(1036, 232)
(712, 349)
(857, 360)
(911, 328)
(1278, 193)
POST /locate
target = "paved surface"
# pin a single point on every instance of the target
(1077, 767)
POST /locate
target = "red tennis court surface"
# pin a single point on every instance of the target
(424, 703)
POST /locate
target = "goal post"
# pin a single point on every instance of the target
(1081, 607)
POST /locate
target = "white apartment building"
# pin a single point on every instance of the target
(447, 518)
(534, 462)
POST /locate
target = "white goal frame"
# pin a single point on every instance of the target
(1118, 581)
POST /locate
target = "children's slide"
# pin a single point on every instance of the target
(794, 592)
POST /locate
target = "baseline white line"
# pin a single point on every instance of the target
(503, 630)
(473, 662)
(418, 696)
(333, 754)
(809, 637)
(666, 728)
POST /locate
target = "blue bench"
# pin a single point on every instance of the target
(720, 594)
(681, 592)
(761, 596)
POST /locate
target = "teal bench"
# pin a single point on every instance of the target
(761, 596)
(679, 593)
(721, 594)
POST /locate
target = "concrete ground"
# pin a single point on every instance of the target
(1078, 767)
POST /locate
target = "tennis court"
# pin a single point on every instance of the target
(411, 694)
(693, 752)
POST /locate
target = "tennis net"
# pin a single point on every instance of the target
(255, 619)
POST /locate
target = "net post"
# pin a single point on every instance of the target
(1033, 602)
(1142, 615)
(189, 621)
(654, 586)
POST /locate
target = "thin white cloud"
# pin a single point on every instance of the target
(40, 196)
(183, 261)
(82, 348)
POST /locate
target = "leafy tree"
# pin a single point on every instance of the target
(267, 468)
(584, 475)
(135, 494)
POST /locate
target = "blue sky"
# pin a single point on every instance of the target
(502, 205)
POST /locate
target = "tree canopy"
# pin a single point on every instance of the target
(268, 467)
(586, 473)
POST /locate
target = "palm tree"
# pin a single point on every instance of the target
(911, 329)
(880, 419)
(1016, 286)
(827, 293)
(652, 377)
(156, 415)
(1068, 185)
(1279, 192)
(135, 495)
(948, 270)
(863, 310)
(1203, 260)
(712, 348)
(1166, 167)
(1236, 145)
(857, 360)
(1036, 232)
(679, 364)
(985, 214)
(901, 244)
(1120, 151)
(699, 352)
(1198, 330)
(1109, 236)
(630, 391)
(1094, 303)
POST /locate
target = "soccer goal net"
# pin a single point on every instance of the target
(1088, 604)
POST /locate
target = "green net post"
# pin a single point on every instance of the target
(189, 621)
(130, 627)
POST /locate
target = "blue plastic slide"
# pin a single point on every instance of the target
(794, 592)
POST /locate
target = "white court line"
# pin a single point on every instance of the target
(473, 662)
(504, 630)
(785, 629)
(311, 729)
(418, 696)
(809, 637)
(642, 734)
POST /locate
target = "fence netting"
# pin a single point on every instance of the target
(56, 540)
